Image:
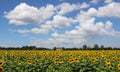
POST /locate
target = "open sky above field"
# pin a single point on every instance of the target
(68, 23)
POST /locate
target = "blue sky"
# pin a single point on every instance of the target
(61, 23)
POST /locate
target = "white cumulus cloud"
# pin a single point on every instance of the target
(61, 21)
(44, 29)
(24, 14)
(67, 7)
(110, 10)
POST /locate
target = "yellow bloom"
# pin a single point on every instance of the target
(36, 61)
(55, 58)
(103, 57)
(56, 63)
(1, 63)
(71, 61)
(82, 59)
(93, 59)
(29, 62)
(76, 60)
(108, 66)
(97, 58)
(61, 61)
(118, 66)
(113, 59)
(19, 62)
(107, 61)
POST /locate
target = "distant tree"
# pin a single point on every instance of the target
(85, 47)
(109, 48)
(63, 48)
(24, 47)
(32, 47)
(88, 47)
(80, 48)
(54, 48)
(96, 46)
(102, 47)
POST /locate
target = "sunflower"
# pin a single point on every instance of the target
(93, 59)
(1, 69)
(19, 62)
(107, 61)
(36, 61)
(113, 59)
(61, 61)
(27, 58)
(82, 59)
(103, 57)
(55, 58)
(97, 58)
(118, 59)
(71, 61)
(118, 66)
(76, 60)
(71, 55)
(1, 63)
(55, 62)
(108, 66)
(29, 61)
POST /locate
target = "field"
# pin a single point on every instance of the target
(59, 61)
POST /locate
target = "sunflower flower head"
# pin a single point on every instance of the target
(19, 62)
(29, 62)
(118, 66)
(1, 63)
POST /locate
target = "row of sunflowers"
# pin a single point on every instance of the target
(59, 61)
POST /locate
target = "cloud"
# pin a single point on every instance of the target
(105, 1)
(110, 10)
(57, 22)
(84, 5)
(39, 31)
(49, 26)
(94, 1)
(24, 14)
(67, 7)
(90, 29)
(108, 1)
(40, 42)
(44, 29)
(61, 21)
(22, 31)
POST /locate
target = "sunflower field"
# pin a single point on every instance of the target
(59, 61)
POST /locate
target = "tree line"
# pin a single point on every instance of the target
(95, 47)
(84, 47)
(24, 48)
